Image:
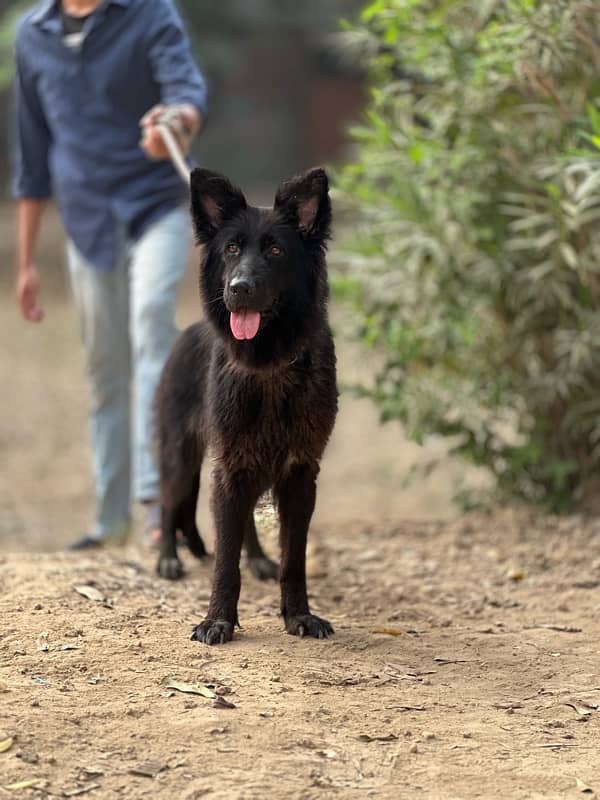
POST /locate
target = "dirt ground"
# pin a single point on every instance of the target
(465, 662)
(464, 665)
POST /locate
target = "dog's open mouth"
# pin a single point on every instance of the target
(244, 323)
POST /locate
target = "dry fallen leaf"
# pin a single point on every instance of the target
(559, 628)
(470, 746)
(23, 784)
(584, 713)
(6, 744)
(189, 688)
(556, 744)
(79, 790)
(389, 631)
(148, 770)
(91, 593)
(89, 773)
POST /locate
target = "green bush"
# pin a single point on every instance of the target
(8, 23)
(475, 266)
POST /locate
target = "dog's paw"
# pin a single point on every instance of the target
(308, 625)
(263, 568)
(213, 631)
(170, 568)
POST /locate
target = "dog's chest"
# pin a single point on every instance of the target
(265, 425)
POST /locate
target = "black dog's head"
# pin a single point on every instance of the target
(263, 280)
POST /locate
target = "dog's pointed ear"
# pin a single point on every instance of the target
(304, 202)
(215, 200)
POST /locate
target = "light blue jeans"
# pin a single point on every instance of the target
(127, 319)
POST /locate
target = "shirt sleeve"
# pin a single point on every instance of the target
(171, 60)
(32, 135)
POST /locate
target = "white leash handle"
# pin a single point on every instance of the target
(175, 153)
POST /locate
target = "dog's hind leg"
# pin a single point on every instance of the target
(169, 566)
(296, 495)
(187, 519)
(180, 461)
(261, 566)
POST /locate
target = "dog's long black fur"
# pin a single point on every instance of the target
(255, 386)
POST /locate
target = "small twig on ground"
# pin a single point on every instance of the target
(557, 744)
(559, 628)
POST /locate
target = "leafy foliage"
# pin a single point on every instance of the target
(476, 264)
(8, 21)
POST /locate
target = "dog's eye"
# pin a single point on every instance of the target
(274, 250)
(233, 249)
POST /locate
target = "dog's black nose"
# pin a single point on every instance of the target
(242, 287)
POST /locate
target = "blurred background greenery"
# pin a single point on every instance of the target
(466, 139)
(476, 267)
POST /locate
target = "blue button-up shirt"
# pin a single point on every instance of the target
(78, 113)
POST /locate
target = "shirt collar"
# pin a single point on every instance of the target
(47, 13)
(43, 11)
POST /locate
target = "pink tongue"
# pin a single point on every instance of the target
(244, 324)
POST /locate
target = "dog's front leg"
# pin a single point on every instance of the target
(296, 495)
(233, 501)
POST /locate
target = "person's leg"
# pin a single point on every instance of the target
(102, 303)
(157, 265)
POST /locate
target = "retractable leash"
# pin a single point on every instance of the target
(170, 122)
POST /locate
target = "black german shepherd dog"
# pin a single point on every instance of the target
(255, 386)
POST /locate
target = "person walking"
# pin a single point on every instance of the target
(91, 77)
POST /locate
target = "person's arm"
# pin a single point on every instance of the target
(29, 215)
(175, 71)
(32, 184)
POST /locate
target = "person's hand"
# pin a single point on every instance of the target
(28, 286)
(185, 121)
